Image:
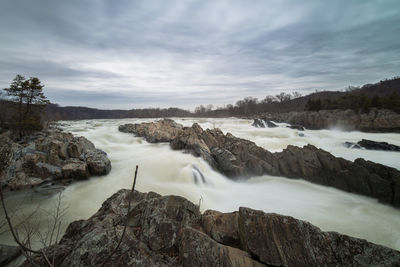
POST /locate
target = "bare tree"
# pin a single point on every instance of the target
(296, 94)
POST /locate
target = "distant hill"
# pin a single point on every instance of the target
(382, 88)
(382, 95)
(382, 92)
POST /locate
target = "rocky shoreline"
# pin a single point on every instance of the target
(240, 158)
(49, 158)
(376, 120)
(171, 231)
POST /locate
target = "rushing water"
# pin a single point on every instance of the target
(172, 172)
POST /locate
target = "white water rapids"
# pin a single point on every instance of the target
(165, 171)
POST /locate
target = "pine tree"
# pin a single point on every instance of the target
(27, 94)
(35, 94)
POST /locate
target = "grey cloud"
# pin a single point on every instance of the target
(178, 53)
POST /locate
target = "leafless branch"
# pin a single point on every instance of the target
(126, 220)
(15, 234)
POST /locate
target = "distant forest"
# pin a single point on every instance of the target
(384, 94)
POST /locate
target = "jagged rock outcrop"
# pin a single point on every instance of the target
(164, 131)
(171, 231)
(376, 120)
(261, 123)
(373, 145)
(236, 157)
(49, 157)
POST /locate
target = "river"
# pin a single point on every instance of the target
(165, 171)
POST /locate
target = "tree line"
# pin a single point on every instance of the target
(250, 105)
(356, 101)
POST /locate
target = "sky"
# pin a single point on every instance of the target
(127, 54)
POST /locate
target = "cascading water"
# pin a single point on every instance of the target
(173, 172)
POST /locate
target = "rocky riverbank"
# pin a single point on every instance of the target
(48, 158)
(376, 120)
(171, 231)
(240, 158)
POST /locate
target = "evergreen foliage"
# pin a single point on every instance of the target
(30, 100)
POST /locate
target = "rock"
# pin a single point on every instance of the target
(8, 254)
(46, 170)
(78, 146)
(23, 181)
(352, 145)
(376, 120)
(261, 123)
(97, 162)
(51, 157)
(198, 249)
(75, 170)
(236, 157)
(285, 241)
(373, 145)
(296, 127)
(222, 227)
(162, 131)
(170, 231)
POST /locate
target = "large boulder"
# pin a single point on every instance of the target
(76, 169)
(285, 241)
(170, 231)
(97, 161)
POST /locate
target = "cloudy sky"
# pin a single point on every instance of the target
(132, 54)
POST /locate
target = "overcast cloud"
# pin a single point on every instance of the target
(131, 54)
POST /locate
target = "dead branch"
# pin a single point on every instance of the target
(15, 236)
(126, 220)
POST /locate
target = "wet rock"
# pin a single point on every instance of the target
(261, 123)
(236, 157)
(296, 127)
(8, 254)
(352, 145)
(170, 231)
(373, 145)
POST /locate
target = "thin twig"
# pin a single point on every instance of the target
(14, 233)
(126, 220)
